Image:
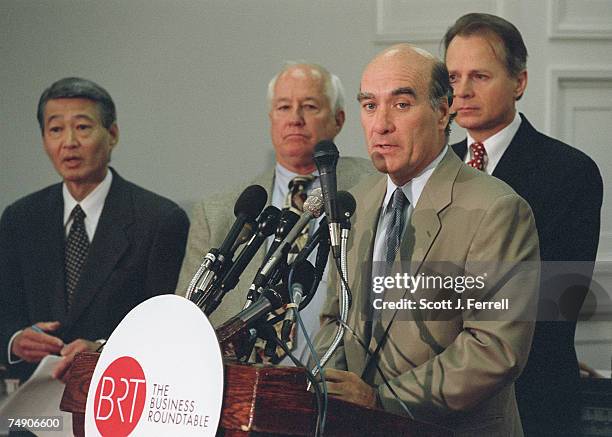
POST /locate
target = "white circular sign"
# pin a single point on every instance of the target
(160, 374)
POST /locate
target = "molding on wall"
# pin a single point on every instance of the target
(565, 20)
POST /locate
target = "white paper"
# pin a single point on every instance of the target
(39, 396)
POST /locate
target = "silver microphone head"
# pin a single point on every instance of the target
(314, 203)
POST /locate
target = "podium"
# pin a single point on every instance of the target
(265, 401)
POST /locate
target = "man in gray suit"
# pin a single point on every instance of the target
(453, 368)
(306, 105)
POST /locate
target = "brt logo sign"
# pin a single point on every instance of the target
(120, 398)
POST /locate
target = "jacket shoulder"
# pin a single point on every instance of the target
(34, 201)
(352, 170)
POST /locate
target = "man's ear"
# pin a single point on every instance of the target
(114, 133)
(521, 84)
(445, 113)
(340, 118)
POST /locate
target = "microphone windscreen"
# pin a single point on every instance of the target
(314, 203)
(251, 202)
(346, 204)
(325, 150)
(268, 220)
(304, 274)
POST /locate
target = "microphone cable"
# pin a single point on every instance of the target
(322, 415)
(313, 382)
(378, 369)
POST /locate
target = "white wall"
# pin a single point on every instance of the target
(189, 79)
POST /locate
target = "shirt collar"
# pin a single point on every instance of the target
(496, 144)
(92, 204)
(413, 188)
(283, 176)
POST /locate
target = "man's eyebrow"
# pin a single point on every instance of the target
(364, 95)
(78, 116)
(404, 90)
(53, 117)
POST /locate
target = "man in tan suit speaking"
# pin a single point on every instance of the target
(457, 371)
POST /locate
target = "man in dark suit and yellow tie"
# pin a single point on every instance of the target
(458, 372)
(487, 62)
(77, 256)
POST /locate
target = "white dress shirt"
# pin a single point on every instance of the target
(91, 205)
(496, 144)
(412, 190)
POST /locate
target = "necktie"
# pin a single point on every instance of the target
(394, 216)
(478, 154)
(296, 196)
(396, 225)
(77, 247)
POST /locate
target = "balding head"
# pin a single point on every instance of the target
(403, 114)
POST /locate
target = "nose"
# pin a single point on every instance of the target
(70, 138)
(296, 116)
(463, 88)
(382, 121)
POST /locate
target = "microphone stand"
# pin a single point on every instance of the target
(345, 301)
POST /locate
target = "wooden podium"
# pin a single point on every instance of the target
(265, 401)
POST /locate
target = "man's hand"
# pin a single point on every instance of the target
(33, 346)
(349, 387)
(68, 353)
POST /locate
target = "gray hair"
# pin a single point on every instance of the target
(75, 88)
(332, 84)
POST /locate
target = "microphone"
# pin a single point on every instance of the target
(321, 233)
(303, 280)
(325, 157)
(286, 222)
(247, 208)
(245, 235)
(313, 207)
(270, 300)
(346, 208)
(266, 225)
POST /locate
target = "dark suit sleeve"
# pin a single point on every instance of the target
(166, 254)
(13, 314)
(573, 233)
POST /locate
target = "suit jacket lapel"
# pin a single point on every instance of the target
(52, 264)
(424, 224)
(360, 272)
(516, 166)
(109, 243)
(460, 149)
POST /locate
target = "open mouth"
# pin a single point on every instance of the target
(385, 146)
(72, 161)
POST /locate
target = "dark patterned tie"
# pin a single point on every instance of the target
(478, 154)
(77, 247)
(296, 196)
(396, 225)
